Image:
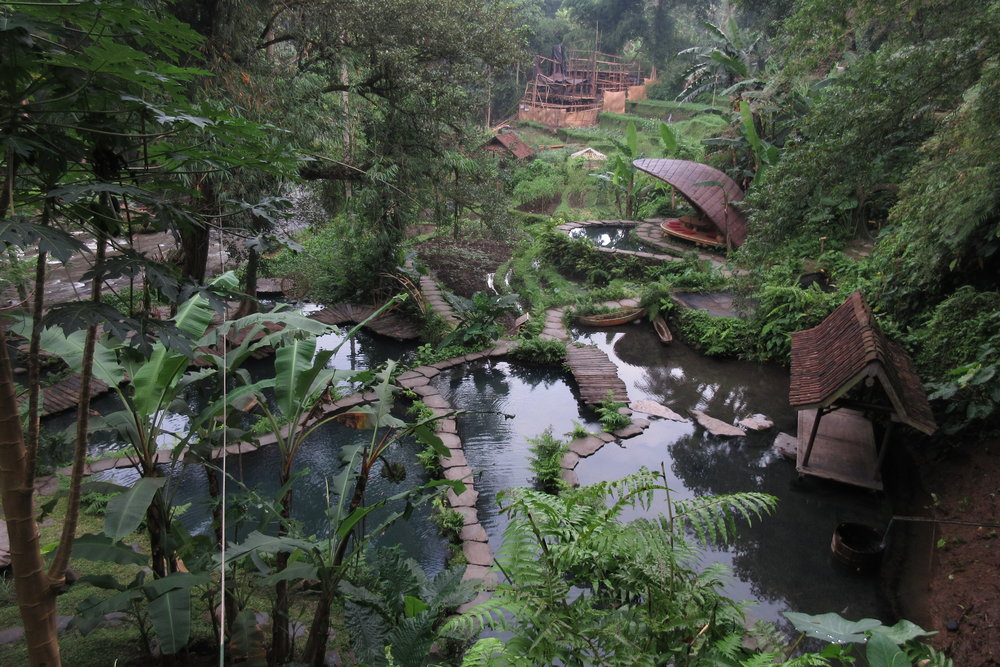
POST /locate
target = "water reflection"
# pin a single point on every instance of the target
(608, 236)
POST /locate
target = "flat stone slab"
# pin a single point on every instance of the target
(571, 478)
(657, 410)
(584, 447)
(474, 532)
(470, 515)
(756, 423)
(480, 598)
(481, 573)
(467, 498)
(435, 400)
(459, 473)
(569, 461)
(478, 553)
(102, 465)
(457, 459)
(447, 426)
(630, 431)
(450, 440)
(786, 445)
(717, 426)
(415, 381)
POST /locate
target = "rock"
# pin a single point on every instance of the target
(584, 447)
(478, 553)
(474, 532)
(717, 426)
(655, 409)
(786, 445)
(756, 422)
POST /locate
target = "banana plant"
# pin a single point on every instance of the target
(622, 173)
(305, 382)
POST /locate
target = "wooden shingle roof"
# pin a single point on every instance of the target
(512, 143)
(708, 189)
(847, 348)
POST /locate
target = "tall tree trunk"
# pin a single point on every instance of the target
(36, 597)
(281, 642)
(57, 571)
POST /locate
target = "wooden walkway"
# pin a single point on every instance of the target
(391, 324)
(66, 394)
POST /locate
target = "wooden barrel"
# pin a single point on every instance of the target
(857, 546)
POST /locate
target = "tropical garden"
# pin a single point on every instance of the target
(337, 147)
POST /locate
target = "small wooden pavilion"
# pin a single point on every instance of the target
(712, 193)
(508, 143)
(845, 374)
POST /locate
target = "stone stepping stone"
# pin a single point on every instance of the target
(569, 461)
(474, 532)
(717, 426)
(584, 447)
(450, 440)
(481, 573)
(657, 410)
(756, 422)
(459, 473)
(456, 460)
(480, 598)
(478, 553)
(571, 478)
(630, 431)
(786, 445)
(467, 498)
(470, 515)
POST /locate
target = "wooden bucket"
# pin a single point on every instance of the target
(858, 546)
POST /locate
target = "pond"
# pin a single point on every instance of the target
(613, 237)
(784, 561)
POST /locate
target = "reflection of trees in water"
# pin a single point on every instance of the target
(477, 387)
(786, 556)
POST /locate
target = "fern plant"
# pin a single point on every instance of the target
(582, 587)
(610, 415)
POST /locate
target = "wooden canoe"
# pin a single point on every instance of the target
(678, 229)
(662, 330)
(614, 318)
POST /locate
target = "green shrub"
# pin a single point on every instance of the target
(449, 521)
(542, 351)
(718, 336)
(546, 461)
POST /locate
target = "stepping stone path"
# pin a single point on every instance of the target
(434, 297)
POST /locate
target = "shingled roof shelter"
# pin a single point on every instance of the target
(845, 371)
(509, 142)
(710, 191)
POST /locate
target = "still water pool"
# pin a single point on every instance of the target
(783, 562)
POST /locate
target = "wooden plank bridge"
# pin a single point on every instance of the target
(595, 374)
(391, 324)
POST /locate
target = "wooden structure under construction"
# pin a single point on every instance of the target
(845, 374)
(571, 87)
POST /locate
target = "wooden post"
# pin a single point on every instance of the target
(883, 447)
(812, 436)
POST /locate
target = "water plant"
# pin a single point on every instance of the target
(547, 452)
(610, 415)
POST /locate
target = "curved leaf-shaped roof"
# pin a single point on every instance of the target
(708, 189)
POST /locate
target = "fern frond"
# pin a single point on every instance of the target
(487, 652)
(489, 614)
